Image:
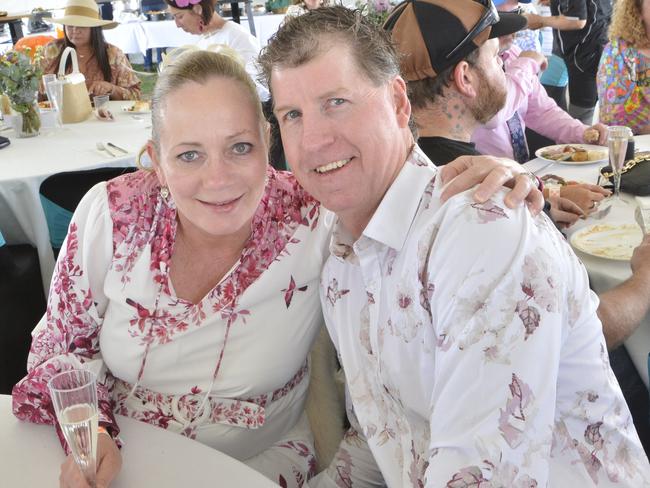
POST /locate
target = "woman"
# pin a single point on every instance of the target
(193, 288)
(199, 17)
(624, 72)
(105, 67)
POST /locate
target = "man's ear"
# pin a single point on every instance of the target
(465, 79)
(401, 101)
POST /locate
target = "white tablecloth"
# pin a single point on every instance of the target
(25, 163)
(30, 456)
(603, 273)
(137, 37)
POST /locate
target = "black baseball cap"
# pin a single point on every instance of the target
(433, 35)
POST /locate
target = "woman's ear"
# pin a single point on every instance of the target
(151, 151)
(197, 9)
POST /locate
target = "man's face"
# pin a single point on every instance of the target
(344, 138)
(491, 83)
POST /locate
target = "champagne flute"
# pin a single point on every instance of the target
(74, 396)
(617, 139)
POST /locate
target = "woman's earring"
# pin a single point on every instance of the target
(164, 192)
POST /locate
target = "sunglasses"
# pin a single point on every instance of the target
(489, 18)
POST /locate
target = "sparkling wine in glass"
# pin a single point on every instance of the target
(617, 139)
(74, 396)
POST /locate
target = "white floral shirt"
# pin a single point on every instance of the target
(472, 350)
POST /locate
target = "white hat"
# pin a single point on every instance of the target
(83, 13)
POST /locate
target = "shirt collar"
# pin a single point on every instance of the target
(392, 220)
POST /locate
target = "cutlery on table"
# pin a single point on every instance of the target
(102, 147)
(110, 144)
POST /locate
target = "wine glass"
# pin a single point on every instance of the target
(617, 139)
(54, 92)
(74, 396)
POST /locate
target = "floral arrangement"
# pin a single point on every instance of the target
(186, 3)
(375, 10)
(19, 79)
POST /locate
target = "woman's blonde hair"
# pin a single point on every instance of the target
(627, 24)
(199, 66)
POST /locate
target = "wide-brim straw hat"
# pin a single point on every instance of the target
(83, 13)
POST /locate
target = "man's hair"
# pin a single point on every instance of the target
(423, 93)
(627, 24)
(303, 38)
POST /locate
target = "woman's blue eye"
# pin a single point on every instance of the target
(242, 148)
(188, 156)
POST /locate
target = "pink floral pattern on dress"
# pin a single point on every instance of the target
(142, 231)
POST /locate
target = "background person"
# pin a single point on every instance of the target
(624, 72)
(199, 17)
(105, 67)
(580, 33)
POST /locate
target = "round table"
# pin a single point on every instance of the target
(604, 273)
(25, 163)
(31, 456)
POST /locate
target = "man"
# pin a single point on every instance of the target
(450, 105)
(580, 33)
(467, 331)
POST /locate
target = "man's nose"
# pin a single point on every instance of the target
(317, 132)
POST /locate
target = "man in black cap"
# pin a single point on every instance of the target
(455, 77)
(472, 352)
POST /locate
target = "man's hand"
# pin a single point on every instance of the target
(534, 21)
(97, 88)
(564, 212)
(596, 134)
(539, 58)
(109, 463)
(640, 262)
(492, 173)
(586, 196)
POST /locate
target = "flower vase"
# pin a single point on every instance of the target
(26, 121)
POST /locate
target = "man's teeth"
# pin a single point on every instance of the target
(334, 165)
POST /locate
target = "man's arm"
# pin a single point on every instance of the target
(622, 308)
(559, 22)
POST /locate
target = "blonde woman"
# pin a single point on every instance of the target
(624, 71)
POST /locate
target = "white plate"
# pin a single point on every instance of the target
(588, 147)
(609, 241)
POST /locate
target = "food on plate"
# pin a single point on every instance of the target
(139, 106)
(592, 136)
(573, 153)
(46, 105)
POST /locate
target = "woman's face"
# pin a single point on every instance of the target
(187, 19)
(79, 36)
(645, 13)
(213, 156)
(312, 4)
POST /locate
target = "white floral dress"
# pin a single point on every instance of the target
(112, 308)
(472, 350)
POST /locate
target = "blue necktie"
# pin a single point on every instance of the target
(518, 139)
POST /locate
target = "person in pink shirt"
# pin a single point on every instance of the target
(528, 105)
(535, 110)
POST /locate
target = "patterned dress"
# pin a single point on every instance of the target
(127, 84)
(472, 350)
(624, 86)
(229, 371)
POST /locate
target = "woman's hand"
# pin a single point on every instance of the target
(586, 196)
(109, 463)
(491, 174)
(97, 88)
